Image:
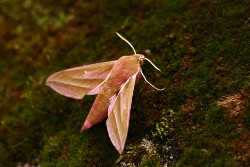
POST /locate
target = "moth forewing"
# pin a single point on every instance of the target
(123, 69)
(77, 82)
(119, 114)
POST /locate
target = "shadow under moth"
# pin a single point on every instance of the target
(113, 82)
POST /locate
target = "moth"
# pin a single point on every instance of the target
(113, 82)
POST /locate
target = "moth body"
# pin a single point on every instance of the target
(113, 82)
(123, 69)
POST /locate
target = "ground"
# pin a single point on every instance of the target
(202, 48)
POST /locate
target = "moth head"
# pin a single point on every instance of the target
(141, 59)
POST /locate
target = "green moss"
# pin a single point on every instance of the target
(202, 48)
(164, 128)
(200, 157)
(151, 160)
(218, 123)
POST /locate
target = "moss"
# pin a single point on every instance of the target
(202, 156)
(202, 48)
(164, 129)
(150, 161)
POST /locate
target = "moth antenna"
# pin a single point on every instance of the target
(149, 82)
(126, 41)
(152, 64)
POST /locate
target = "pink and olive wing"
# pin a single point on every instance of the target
(79, 81)
(123, 69)
(119, 114)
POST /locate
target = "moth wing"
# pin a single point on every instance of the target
(123, 69)
(119, 114)
(79, 81)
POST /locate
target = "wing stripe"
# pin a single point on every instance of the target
(77, 82)
(119, 114)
